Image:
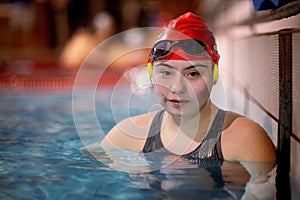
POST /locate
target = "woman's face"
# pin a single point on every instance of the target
(182, 87)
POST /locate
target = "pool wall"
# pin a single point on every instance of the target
(260, 72)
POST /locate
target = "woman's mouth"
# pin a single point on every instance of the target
(177, 102)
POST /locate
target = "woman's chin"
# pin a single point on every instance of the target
(182, 113)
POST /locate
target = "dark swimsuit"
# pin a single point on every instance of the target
(210, 148)
(207, 155)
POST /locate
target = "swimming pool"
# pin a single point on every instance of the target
(43, 157)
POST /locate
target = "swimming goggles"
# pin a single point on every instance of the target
(190, 46)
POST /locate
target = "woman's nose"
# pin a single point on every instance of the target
(178, 84)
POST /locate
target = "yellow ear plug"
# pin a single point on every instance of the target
(216, 72)
(149, 66)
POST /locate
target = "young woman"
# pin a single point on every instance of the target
(183, 66)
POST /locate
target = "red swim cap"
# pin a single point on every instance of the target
(190, 26)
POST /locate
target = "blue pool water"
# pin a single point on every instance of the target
(41, 157)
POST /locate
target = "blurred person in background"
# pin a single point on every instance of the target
(84, 40)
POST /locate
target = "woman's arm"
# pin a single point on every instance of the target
(245, 140)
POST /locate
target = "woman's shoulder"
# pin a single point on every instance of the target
(244, 139)
(130, 133)
(236, 123)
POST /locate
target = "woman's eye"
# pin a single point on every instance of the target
(193, 74)
(166, 73)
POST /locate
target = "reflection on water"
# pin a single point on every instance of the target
(181, 178)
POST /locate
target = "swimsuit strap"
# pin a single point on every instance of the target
(153, 142)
